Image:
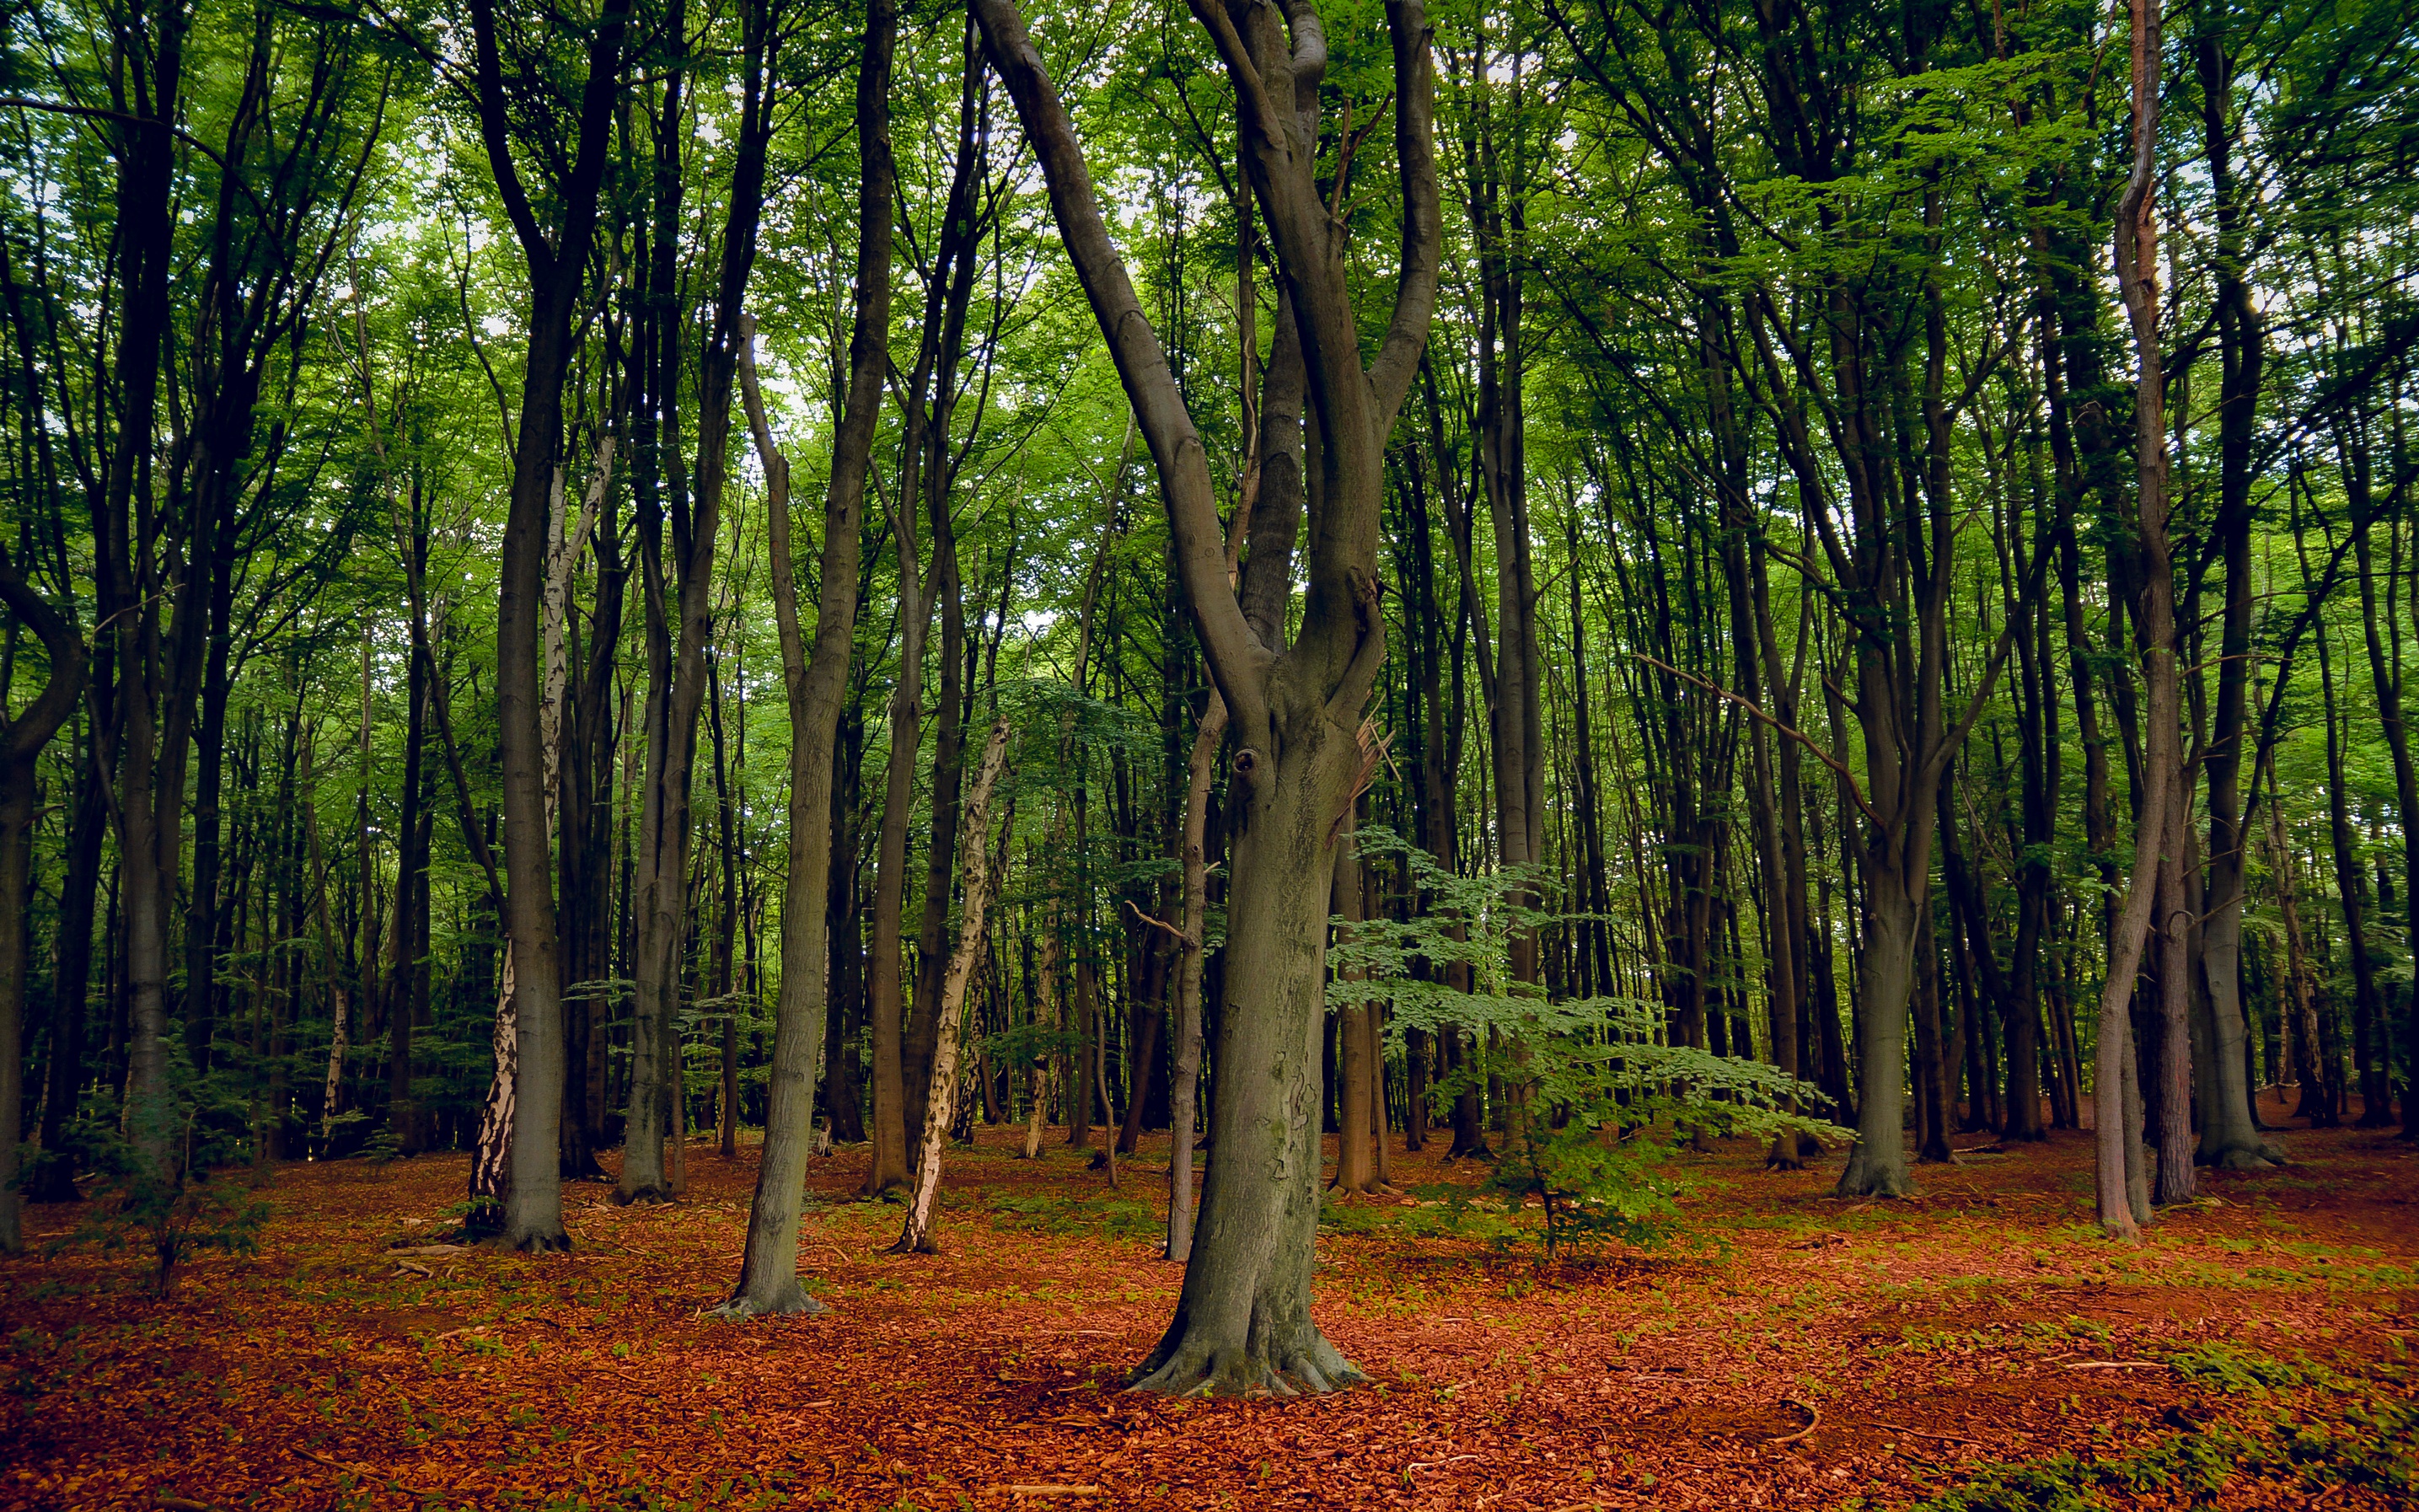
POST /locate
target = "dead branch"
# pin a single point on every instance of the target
(1813, 1421)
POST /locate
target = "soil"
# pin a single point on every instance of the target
(354, 1362)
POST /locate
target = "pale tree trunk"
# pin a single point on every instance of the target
(816, 684)
(915, 1235)
(1243, 1321)
(931, 472)
(2120, 1210)
(332, 1086)
(490, 1155)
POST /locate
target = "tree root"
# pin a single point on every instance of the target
(1302, 1372)
(1813, 1421)
(793, 1302)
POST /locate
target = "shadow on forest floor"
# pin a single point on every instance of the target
(1978, 1347)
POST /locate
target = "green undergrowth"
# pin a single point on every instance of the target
(1116, 1217)
(2302, 1423)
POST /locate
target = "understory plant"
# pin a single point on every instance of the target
(1596, 1094)
(174, 1215)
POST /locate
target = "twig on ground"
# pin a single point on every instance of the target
(1813, 1421)
(366, 1471)
(2117, 1365)
(181, 1504)
(1919, 1433)
(1052, 1490)
(1431, 1464)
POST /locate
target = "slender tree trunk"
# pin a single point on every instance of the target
(21, 740)
(915, 1235)
(2162, 798)
(817, 684)
(1355, 1170)
(72, 975)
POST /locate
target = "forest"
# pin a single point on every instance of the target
(1572, 754)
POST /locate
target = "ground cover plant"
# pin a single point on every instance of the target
(1980, 1348)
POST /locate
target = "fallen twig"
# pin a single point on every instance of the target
(1813, 1421)
(1052, 1490)
(1919, 1433)
(182, 1503)
(1431, 1464)
(363, 1470)
(2117, 1365)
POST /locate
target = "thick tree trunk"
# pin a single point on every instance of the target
(21, 740)
(126, 601)
(1243, 1321)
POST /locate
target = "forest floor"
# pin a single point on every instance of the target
(1980, 1348)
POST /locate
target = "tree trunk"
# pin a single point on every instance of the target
(21, 740)
(915, 1235)
(1243, 1321)
(817, 685)
(1356, 1169)
(71, 976)
(2120, 1210)
(556, 260)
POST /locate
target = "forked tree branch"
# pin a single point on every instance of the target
(1237, 659)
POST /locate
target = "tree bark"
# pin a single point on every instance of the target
(556, 260)
(2161, 797)
(817, 685)
(915, 1235)
(21, 740)
(1243, 1321)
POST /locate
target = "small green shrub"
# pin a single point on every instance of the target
(1590, 1080)
(172, 1216)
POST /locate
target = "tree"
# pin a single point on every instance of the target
(1242, 1324)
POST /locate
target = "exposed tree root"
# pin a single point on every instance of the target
(1863, 1180)
(1813, 1421)
(1311, 1367)
(790, 1302)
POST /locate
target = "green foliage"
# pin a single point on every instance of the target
(172, 1216)
(1114, 1217)
(2370, 1441)
(1590, 1078)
